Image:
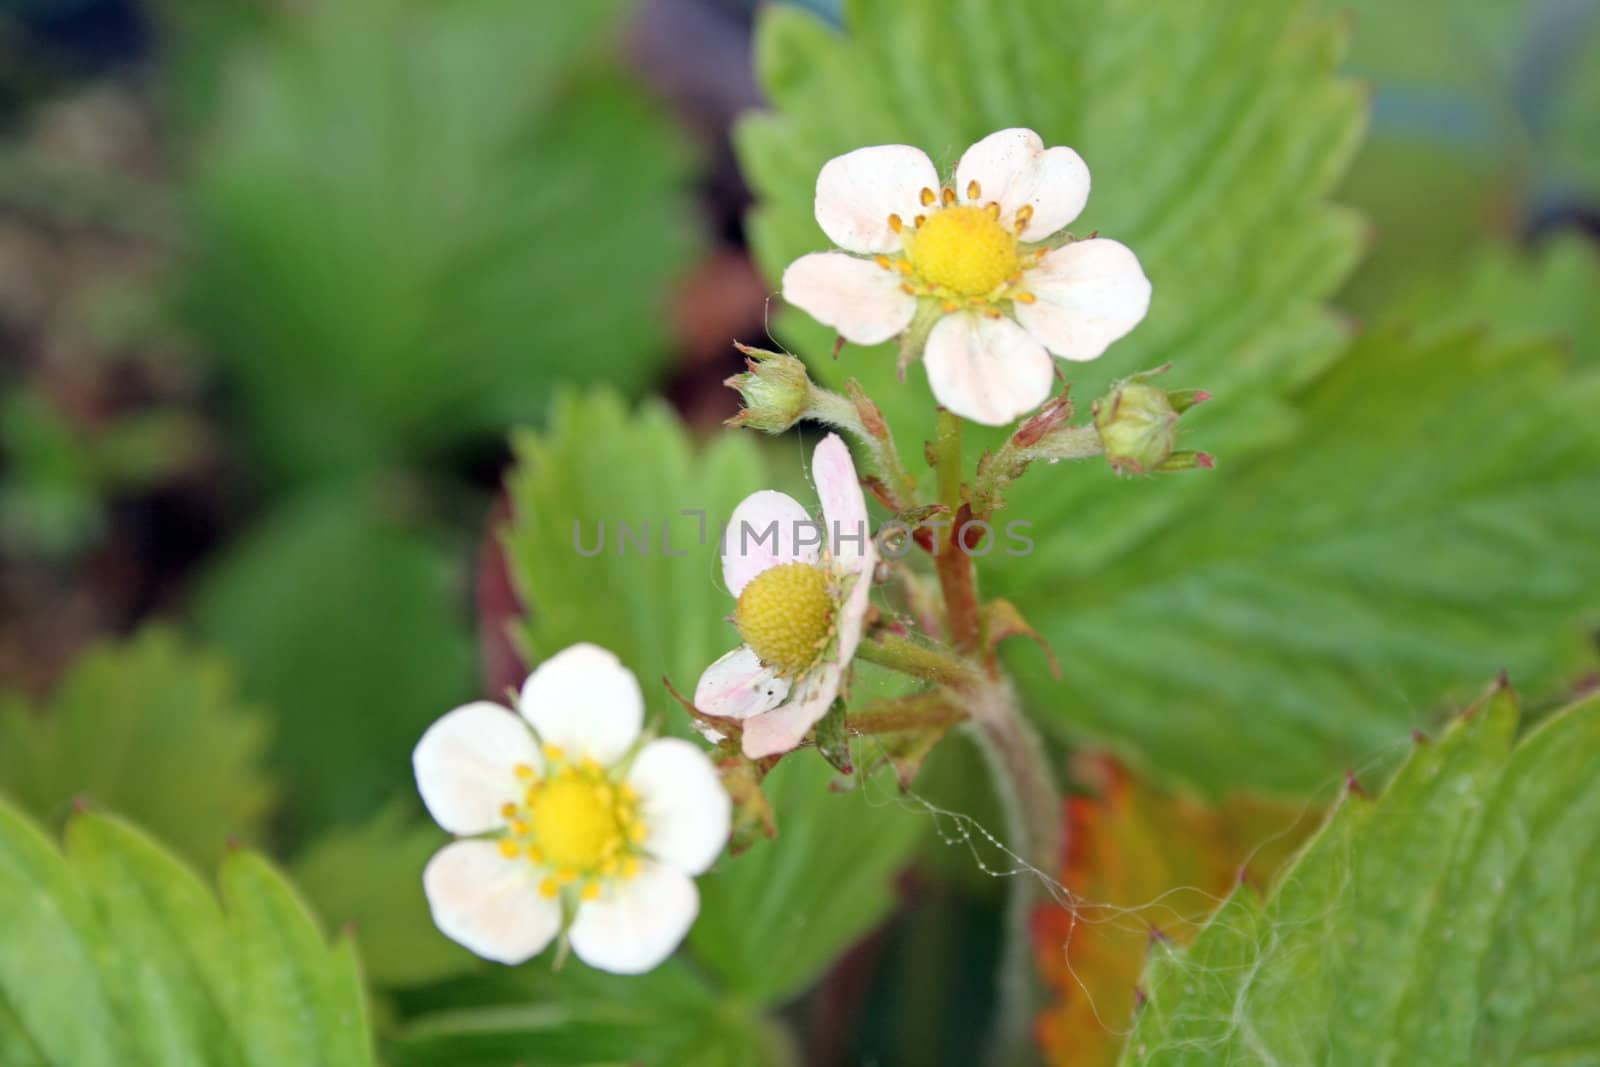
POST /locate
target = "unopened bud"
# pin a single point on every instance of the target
(775, 389)
(1138, 425)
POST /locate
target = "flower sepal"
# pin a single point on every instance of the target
(753, 818)
(833, 739)
(776, 390)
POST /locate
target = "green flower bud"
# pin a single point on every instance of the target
(1138, 425)
(776, 390)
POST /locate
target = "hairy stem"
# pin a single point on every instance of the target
(997, 472)
(1026, 786)
(1035, 832)
(921, 659)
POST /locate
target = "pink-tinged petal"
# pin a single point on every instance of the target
(987, 370)
(466, 766)
(844, 507)
(860, 299)
(852, 616)
(636, 923)
(766, 529)
(1014, 169)
(685, 810)
(585, 702)
(858, 191)
(488, 904)
(785, 726)
(1089, 294)
(738, 686)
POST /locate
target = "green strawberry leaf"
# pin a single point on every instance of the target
(1452, 921)
(1432, 521)
(148, 727)
(368, 878)
(669, 1017)
(114, 953)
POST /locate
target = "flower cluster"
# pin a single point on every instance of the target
(575, 824)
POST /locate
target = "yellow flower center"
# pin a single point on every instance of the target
(785, 615)
(576, 821)
(963, 255)
(964, 249)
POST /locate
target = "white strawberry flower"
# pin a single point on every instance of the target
(569, 819)
(970, 250)
(802, 589)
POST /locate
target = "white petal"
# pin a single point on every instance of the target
(785, 726)
(1089, 293)
(844, 507)
(766, 529)
(489, 904)
(635, 924)
(857, 297)
(987, 370)
(583, 700)
(465, 766)
(738, 686)
(1013, 168)
(686, 811)
(858, 191)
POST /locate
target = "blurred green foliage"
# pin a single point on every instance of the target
(352, 628)
(114, 953)
(151, 729)
(581, 1018)
(1452, 921)
(1486, 117)
(1548, 292)
(412, 219)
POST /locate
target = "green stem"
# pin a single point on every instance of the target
(997, 472)
(915, 711)
(1035, 832)
(920, 659)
